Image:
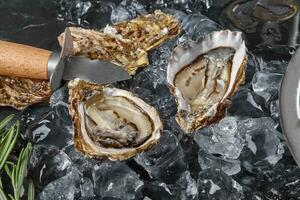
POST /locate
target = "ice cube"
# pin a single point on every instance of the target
(48, 163)
(36, 127)
(158, 190)
(197, 25)
(222, 138)
(246, 103)
(282, 181)
(49, 125)
(116, 180)
(74, 11)
(274, 110)
(60, 97)
(84, 164)
(150, 84)
(184, 188)
(190, 149)
(187, 6)
(208, 3)
(165, 162)
(253, 65)
(63, 188)
(264, 144)
(86, 188)
(53, 128)
(215, 184)
(266, 85)
(278, 182)
(48, 129)
(127, 10)
(274, 64)
(145, 86)
(228, 166)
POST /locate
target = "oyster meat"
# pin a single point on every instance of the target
(126, 43)
(203, 74)
(21, 92)
(110, 122)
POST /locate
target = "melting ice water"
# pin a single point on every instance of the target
(243, 156)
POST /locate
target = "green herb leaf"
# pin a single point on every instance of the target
(7, 170)
(11, 197)
(2, 195)
(19, 171)
(30, 190)
(5, 121)
(8, 143)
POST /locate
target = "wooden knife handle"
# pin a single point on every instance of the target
(23, 61)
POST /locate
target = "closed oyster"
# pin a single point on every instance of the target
(203, 74)
(110, 122)
(21, 92)
(149, 31)
(125, 43)
(103, 46)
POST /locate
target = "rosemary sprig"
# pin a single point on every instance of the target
(2, 194)
(5, 121)
(30, 190)
(18, 171)
(8, 139)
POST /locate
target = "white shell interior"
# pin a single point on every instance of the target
(187, 53)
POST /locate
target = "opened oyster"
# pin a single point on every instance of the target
(21, 92)
(126, 43)
(111, 122)
(203, 74)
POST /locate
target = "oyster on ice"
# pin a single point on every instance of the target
(110, 122)
(149, 31)
(203, 74)
(21, 92)
(103, 46)
(126, 43)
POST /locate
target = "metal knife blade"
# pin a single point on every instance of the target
(70, 67)
(290, 106)
(58, 70)
(95, 71)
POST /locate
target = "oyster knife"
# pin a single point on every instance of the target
(34, 63)
(290, 106)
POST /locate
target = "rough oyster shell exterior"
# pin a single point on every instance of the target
(126, 43)
(21, 92)
(103, 46)
(149, 31)
(193, 116)
(80, 93)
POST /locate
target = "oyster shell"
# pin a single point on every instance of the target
(21, 92)
(203, 74)
(111, 122)
(99, 45)
(126, 43)
(149, 31)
